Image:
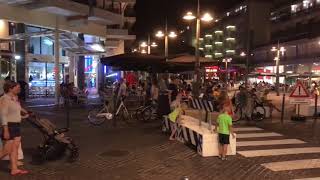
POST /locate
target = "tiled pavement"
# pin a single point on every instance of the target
(142, 152)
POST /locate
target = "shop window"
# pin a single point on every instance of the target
(4, 69)
(42, 74)
(34, 45)
(46, 46)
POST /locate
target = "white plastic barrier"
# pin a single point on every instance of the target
(200, 137)
(307, 110)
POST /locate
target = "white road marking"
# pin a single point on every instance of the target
(238, 129)
(269, 142)
(255, 135)
(277, 152)
(293, 165)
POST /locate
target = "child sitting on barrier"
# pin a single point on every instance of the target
(224, 128)
(174, 116)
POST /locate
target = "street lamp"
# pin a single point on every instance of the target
(206, 18)
(149, 45)
(226, 61)
(166, 35)
(242, 54)
(278, 50)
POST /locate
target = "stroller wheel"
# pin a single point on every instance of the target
(74, 155)
(38, 156)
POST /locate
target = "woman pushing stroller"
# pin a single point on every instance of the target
(10, 116)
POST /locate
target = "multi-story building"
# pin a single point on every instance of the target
(237, 29)
(294, 26)
(31, 32)
(255, 26)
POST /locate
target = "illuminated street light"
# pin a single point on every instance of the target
(143, 44)
(207, 17)
(160, 34)
(172, 34)
(143, 51)
(226, 61)
(189, 16)
(17, 57)
(154, 44)
(166, 35)
(278, 50)
(242, 54)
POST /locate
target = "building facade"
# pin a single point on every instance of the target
(248, 32)
(45, 43)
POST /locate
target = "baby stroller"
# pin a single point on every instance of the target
(55, 142)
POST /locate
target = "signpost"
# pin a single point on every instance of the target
(299, 96)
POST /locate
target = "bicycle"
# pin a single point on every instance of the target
(97, 117)
(147, 113)
(258, 112)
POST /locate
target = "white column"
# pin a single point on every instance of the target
(56, 63)
(71, 68)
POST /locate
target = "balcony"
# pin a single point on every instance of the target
(119, 34)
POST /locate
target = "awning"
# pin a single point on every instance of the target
(141, 62)
(68, 41)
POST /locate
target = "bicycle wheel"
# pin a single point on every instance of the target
(147, 114)
(138, 112)
(258, 113)
(237, 114)
(94, 118)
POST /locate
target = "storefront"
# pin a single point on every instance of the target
(42, 74)
(91, 64)
(267, 74)
(212, 73)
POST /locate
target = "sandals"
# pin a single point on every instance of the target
(20, 172)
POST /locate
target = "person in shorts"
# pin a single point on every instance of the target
(11, 114)
(224, 129)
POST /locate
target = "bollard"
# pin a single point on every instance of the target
(282, 108)
(314, 124)
(67, 104)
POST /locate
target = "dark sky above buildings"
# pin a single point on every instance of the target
(151, 14)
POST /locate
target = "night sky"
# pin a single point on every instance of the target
(151, 14)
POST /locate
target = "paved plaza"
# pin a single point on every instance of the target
(141, 151)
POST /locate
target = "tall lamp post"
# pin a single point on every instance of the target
(226, 61)
(148, 45)
(166, 35)
(207, 18)
(278, 50)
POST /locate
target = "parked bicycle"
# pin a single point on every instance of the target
(147, 113)
(258, 112)
(98, 116)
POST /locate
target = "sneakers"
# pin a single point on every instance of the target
(224, 159)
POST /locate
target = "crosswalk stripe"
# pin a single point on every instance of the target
(276, 152)
(293, 165)
(238, 129)
(269, 142)
(313, 178)
(255, 135)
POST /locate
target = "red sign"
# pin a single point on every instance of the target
(299, 91)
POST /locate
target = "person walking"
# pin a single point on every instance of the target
(154, 91)
(224, 129)
(11, 119)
